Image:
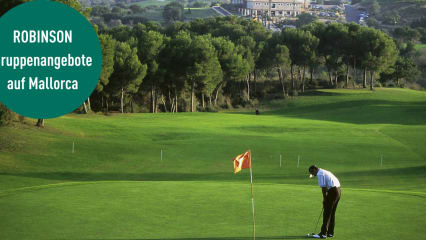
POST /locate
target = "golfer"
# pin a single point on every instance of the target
(331, 195)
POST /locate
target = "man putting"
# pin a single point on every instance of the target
(331, 195)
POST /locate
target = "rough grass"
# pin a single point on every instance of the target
(115, 185)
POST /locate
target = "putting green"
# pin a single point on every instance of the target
(201, 210)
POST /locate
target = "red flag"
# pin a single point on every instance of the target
(242, 161)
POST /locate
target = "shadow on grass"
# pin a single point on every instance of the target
(212, 238)
(76, 176)
(356, 112)
(408, 171)
(321, 93)
(291, 178)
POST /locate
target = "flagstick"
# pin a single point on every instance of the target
(252, 200)
(298, 160)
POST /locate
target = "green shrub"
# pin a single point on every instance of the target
(294, 93)
(312, 84)
(21, 118)
(390, 84)
(224, 102)
(6, 115)
(415, 86)
(208, 108)
(377, 84)
(341, 84)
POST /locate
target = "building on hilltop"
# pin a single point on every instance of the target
(273, 8)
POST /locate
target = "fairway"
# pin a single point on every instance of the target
(169, 176)
(152, 3)
(194, 13)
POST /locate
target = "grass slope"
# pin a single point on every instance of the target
(153, 3)
(115, 186)
(189, 15)
(195, 13)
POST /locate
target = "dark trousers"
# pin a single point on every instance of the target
(330, 206)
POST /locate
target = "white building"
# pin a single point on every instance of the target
(273, 8)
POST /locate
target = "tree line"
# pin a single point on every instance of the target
(185, 66)
(223, 62)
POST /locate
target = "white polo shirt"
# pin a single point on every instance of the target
(327, 179)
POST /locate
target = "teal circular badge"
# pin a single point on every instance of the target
(50, 59)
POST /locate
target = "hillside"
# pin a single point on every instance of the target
(406, 10)
(169, 176)
(388, 122)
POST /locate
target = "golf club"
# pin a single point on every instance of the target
(311, 234)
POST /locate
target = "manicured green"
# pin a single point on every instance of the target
(115, 185)
(201, 210)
